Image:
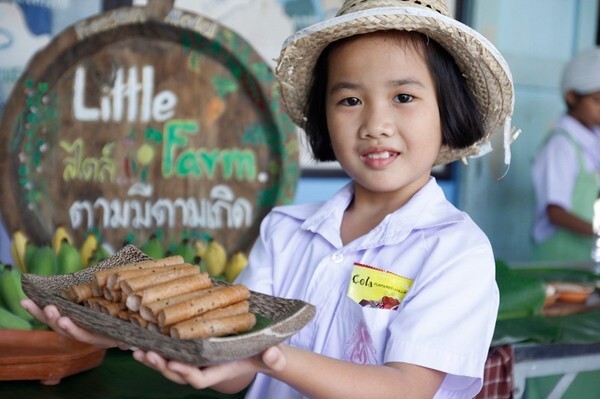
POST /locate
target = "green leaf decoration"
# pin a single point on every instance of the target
(224, 86)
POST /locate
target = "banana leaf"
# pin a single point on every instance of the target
(521, 295)
(561, 274)
(581, 328)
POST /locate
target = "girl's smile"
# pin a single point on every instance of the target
(379, 159)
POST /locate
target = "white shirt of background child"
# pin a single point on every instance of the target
(556, 168)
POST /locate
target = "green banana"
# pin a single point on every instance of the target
(153, 248)
(12, 292)
(30, 249)
(68, 259)
(101, 253)
(43, 261)
(10, 321)
(186, 250)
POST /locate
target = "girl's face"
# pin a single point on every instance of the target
(585, 108)
(382, 113)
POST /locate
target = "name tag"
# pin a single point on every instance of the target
(376, 288)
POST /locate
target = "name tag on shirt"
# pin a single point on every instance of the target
(376, 288)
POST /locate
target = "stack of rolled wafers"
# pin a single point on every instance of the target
(167, 296)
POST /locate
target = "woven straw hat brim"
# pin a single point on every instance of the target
(486, 71)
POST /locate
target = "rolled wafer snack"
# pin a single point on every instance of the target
(196, 306)
(93, 302)
(150, 297)
(231, 310)
(108, 307)
(136, 319)
(150, 310)
(113, 282)
(100, 277)
(215, 327)
(168, 289)
(113, 296)
(124, 314)
(79, 293)
(136, 284)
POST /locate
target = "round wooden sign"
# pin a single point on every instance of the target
(146, 120)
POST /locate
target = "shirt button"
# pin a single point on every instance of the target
(337, 258)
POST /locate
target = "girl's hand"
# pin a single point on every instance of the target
(51, 316)
(230, 377)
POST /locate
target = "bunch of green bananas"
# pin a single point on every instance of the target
(208, 253)
(12, 315)
(61, 256)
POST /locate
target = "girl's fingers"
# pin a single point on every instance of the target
(33, 309)
(274, 359)
(199, 378)
(159, 364)
(74, 331)
(52, 314)
(150, 359)
(48, 315)
(62, 325)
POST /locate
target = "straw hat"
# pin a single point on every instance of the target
(485, 69)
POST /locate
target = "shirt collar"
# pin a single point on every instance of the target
(588, 141)
(579, 132)
(427, 208)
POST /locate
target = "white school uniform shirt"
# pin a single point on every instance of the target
(446, 319)
(556, 167)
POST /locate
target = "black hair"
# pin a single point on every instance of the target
(571, 103)
(461, 120)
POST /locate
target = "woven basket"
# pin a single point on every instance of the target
(287, 317)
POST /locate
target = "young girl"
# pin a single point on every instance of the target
(567, 168)
(388, 89)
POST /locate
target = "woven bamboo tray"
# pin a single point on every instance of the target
(286, 316)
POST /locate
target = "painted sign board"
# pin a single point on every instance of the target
(146, 120)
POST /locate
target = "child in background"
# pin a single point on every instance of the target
(566, 170)
(389, 89)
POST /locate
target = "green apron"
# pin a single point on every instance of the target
(564, 245)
